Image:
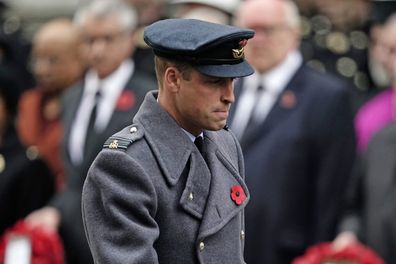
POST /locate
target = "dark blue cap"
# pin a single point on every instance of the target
(212, 49)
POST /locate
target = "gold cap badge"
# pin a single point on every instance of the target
(239, 53)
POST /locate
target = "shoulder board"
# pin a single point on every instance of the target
(124, 138)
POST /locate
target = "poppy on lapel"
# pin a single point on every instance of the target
(237, 194)
(125, 101)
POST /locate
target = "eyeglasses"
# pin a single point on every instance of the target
(270, 30)
(107, 39)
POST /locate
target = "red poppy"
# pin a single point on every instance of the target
(288, 99)
(46, 248)
(126, 100)
(237, 194)
(324, 253)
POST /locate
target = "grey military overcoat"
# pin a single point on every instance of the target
(150, 197)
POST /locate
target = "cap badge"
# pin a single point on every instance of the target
(239, 53)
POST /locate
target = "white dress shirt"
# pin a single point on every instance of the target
(110, 88)
(273, 82)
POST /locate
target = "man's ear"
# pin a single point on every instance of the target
(172, 79)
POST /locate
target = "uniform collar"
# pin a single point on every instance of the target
(167, 139)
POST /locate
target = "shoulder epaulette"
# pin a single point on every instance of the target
(124, 138)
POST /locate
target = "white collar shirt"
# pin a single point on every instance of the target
(110, 89)
(273, 83)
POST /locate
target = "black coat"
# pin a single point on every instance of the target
(26, 184)
(297, 163)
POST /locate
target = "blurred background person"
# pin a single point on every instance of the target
(100, 105)
(14, 47)
(26, 182)
(381, 10)
(371, 201)
(57, 64)
(296, 130)
(148, 11)
(379, 111)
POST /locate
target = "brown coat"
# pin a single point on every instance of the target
(45, 133)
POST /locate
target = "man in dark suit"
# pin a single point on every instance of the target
(154, 195)
(103, 103)
(296, 132)
(371, 204)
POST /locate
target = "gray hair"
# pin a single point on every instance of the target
(293, 18)
(106, 8)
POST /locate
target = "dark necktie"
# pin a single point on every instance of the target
(199, 143)
(253, 123)
(90, 134)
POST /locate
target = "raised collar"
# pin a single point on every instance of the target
(165, 137)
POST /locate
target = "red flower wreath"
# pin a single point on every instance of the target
(324, 253)
(237, 194)
(47, 247)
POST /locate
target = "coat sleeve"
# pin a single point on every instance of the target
(118, 206)
(353, 205)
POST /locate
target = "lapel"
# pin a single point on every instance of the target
(70, 102)
(170, 145)
(287, 102)
(126, 107)
(220, 208)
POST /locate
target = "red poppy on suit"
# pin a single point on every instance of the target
(288, 99)
(46, 247)
(125, 101)
(324, 253)
(237, 194)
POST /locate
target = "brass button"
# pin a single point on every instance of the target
(191, 196)
(242, 234)
(201, 246)
(133, 129)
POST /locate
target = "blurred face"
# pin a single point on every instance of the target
(56, 62)
(273, 39)
(201, 102)
(106, 44)
(388, 56)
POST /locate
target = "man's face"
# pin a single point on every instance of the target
(203, 102)
(56, 62)
(106, 44)
(273, 38)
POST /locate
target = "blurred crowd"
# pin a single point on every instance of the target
(316, 121)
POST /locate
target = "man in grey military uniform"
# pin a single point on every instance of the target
(152, 195)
